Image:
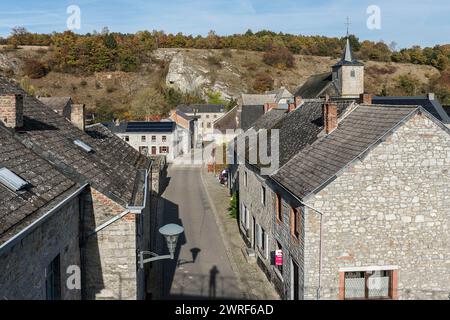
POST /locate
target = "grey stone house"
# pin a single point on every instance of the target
(114, 212)
(363, 210)
(39, 226)
(296, 130)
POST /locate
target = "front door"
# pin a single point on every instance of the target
(153, 151)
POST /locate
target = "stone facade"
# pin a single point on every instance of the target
(389, 209)
(350, 81)
(23, 266)
(250, 197)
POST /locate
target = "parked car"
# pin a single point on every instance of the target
(223, 176)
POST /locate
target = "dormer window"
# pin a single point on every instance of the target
(12, 181)
(84, 146)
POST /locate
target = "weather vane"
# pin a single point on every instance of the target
(348, 25)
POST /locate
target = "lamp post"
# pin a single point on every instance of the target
(171, 232)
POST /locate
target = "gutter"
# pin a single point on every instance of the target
(139, 209)
(26, 231)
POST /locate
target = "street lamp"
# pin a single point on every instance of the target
(171, 232)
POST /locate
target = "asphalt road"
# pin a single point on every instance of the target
(203, 270)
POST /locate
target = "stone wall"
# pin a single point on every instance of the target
(110, 269)
(264, 215)
(23, 266)
(11, 110)
(392, 208)
(351, 86)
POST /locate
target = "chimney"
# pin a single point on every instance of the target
(365, 98)
(330, 119)
(11, 110)
(77, 116)
(298, 101)
(430, 96)
(270, 106)
(291, 107)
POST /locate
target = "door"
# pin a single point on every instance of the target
(295, 286)
(153, 151)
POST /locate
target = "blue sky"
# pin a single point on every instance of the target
(422, 22)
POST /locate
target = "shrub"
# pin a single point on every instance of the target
(226, 53)
(280, 57)
(263, 82)
(83, 83)
(214, 61)
(234, 208)
(34, 68)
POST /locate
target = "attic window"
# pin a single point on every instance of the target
(84, 146)
(11, 180)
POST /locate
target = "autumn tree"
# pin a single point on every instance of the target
(148, 102)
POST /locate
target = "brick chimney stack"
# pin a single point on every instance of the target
(11, 110)
(431, 96)
(77, 116)
(330, 117)
(365, 98)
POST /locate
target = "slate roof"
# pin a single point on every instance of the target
(52, 137)
(322, 160)
(202, 108)
(432, 106)
(258, 99)
(316, 86)
(249, 115)
(47, 186)
(297, 129)
(302, 126)
(56, 103)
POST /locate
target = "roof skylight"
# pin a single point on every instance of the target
(83, 146)
(11, 180)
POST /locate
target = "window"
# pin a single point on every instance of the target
(262, 240)
(207, 116)
(208, 125)
(245, 217)
(153, 138)
(143, 139)
(164, 149)
(352, 73)
(164, 138)
(296, 219)
(263, 195)
(378, 284)
(126, 138)
(53, 280)
(83, 146)
(278, 208)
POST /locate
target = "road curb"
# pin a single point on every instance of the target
(228, 250)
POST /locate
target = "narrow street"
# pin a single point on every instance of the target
(202, 269)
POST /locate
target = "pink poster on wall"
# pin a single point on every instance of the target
(278, 258)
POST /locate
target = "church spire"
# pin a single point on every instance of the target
(348, 56)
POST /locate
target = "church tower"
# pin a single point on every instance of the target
(348, 74)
